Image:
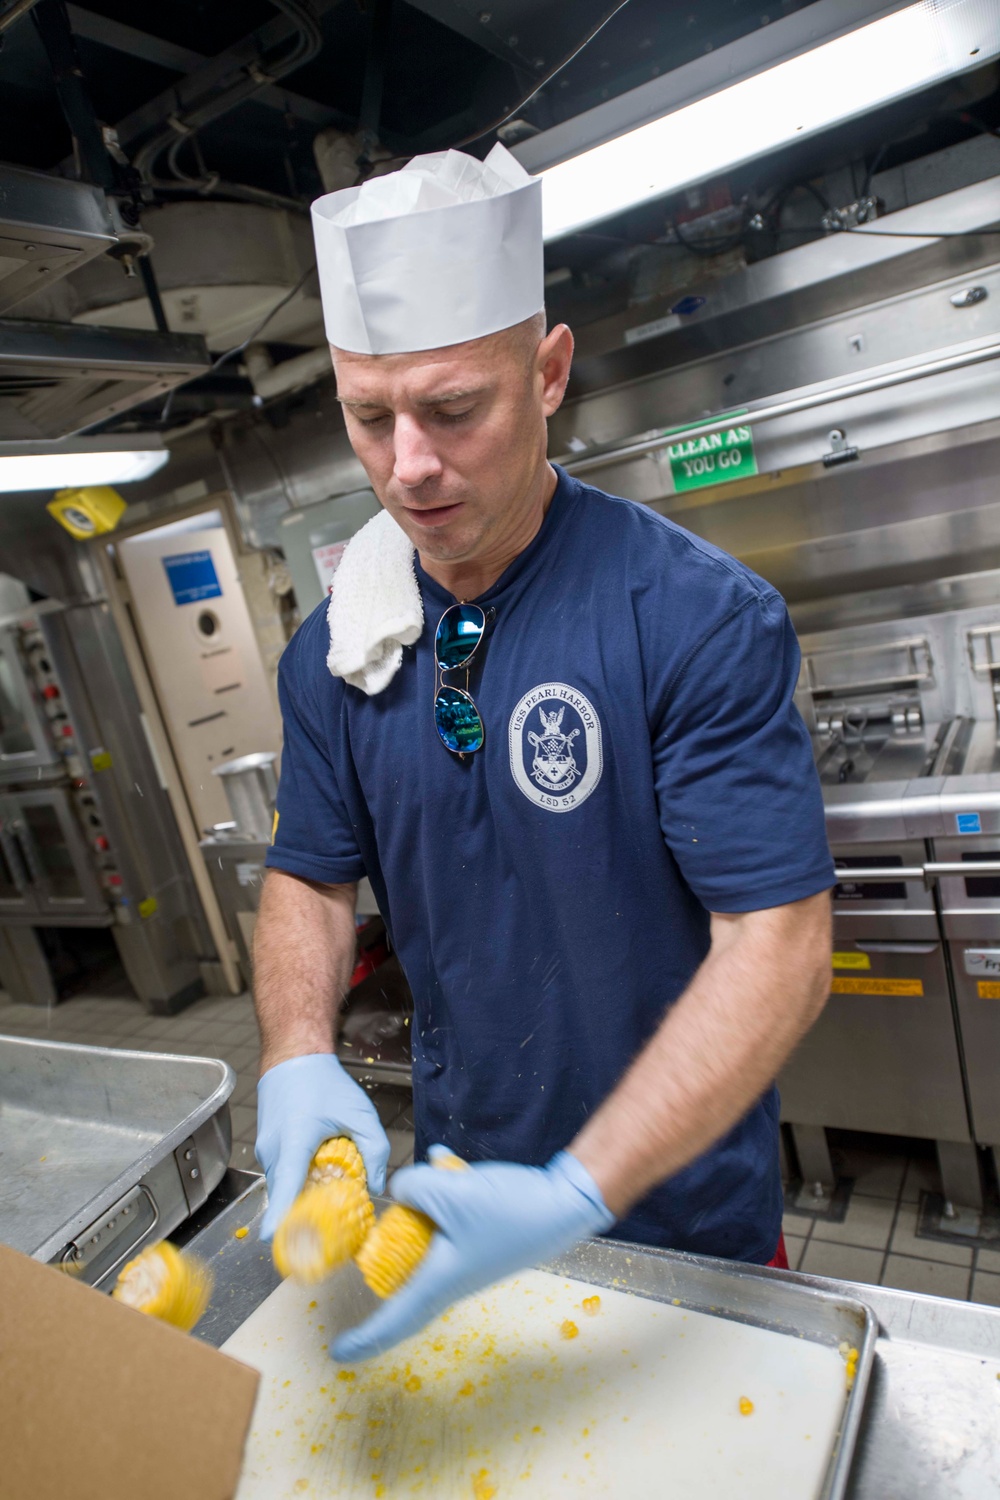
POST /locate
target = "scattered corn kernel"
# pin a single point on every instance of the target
(241, 1233)
(482, 1489)
(167, 1285)
(746, 1406)
(592, 1305)
(413, 1384)
(394, 1248)
(568, 1329)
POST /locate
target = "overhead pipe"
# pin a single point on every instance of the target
(15, 12)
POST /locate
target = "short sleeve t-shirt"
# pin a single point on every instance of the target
(549, 896)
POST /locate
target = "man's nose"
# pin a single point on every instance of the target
(415, 458)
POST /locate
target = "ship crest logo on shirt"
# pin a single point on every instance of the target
(553, 766)
(555, 746)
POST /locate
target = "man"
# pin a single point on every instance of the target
(585, 802)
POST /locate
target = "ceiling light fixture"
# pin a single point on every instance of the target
(78, 462)
(838, 80)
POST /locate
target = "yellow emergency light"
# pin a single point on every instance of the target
(87, 512)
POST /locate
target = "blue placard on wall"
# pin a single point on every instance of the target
(968, 823)
(192, 577)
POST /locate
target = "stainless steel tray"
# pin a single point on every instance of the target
(746, 1294)
(824, 1312)
(102, 1151)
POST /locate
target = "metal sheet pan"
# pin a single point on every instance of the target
(745, 1294)
(823, 1312)
(102, 1150)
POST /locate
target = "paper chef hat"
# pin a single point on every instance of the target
(445, 250)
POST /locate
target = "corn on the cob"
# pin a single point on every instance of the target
(166, 1284)
(399, 1241)
(329, 1219)
(394, 1249)
(337, 1157)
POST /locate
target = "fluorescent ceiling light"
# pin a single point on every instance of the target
(76, 462)
(836, 81)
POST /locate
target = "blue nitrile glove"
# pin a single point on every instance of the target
(300, 1104)
(492, 1220)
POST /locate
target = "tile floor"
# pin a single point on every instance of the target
(876, 1242)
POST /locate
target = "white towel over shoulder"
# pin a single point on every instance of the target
(375, 607)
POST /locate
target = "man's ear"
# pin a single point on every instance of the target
(554, 358)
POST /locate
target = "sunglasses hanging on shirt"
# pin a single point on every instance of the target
(458, 637)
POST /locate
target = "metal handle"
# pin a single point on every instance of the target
(21, 840)
(864, 946)
(15, 859)
(972, 868)
(872, 877)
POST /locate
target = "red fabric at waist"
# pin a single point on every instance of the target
(780, 1261)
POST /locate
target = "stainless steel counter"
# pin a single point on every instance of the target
(932, 1424)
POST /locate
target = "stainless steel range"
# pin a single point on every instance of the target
(905, 733)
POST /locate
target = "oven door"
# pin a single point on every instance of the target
(18, 897)
(63, 880)
(970, 911)
(884, 1054)
(25, 746)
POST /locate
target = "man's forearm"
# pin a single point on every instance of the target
(762, 985)
(303, 955)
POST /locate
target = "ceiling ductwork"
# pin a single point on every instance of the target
(49, 226)
(220, 269)
(55, 378)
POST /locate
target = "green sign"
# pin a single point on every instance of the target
(714, 458)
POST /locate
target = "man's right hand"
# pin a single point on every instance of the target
(300, 1104)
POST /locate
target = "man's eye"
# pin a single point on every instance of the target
(455, 416)
(373, 421)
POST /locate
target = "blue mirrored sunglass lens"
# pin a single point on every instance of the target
(459, 632)
(457, 719)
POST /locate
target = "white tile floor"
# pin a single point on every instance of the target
(876, 1243)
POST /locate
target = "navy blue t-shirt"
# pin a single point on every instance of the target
(548, 896)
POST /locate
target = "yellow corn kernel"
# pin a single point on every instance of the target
(591, 1305)
(568, 1329)
(166, 1284)
(324, 1227)
(394, 1249)
(746, 1406)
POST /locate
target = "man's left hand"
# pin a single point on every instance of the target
(492, 1220)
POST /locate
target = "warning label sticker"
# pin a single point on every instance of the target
(988, 989)
(878, 987)
(851, 961)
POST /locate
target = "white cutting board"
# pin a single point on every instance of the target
(492, 1400)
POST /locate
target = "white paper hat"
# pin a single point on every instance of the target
(445, 250)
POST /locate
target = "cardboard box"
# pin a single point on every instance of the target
(99, 1402)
